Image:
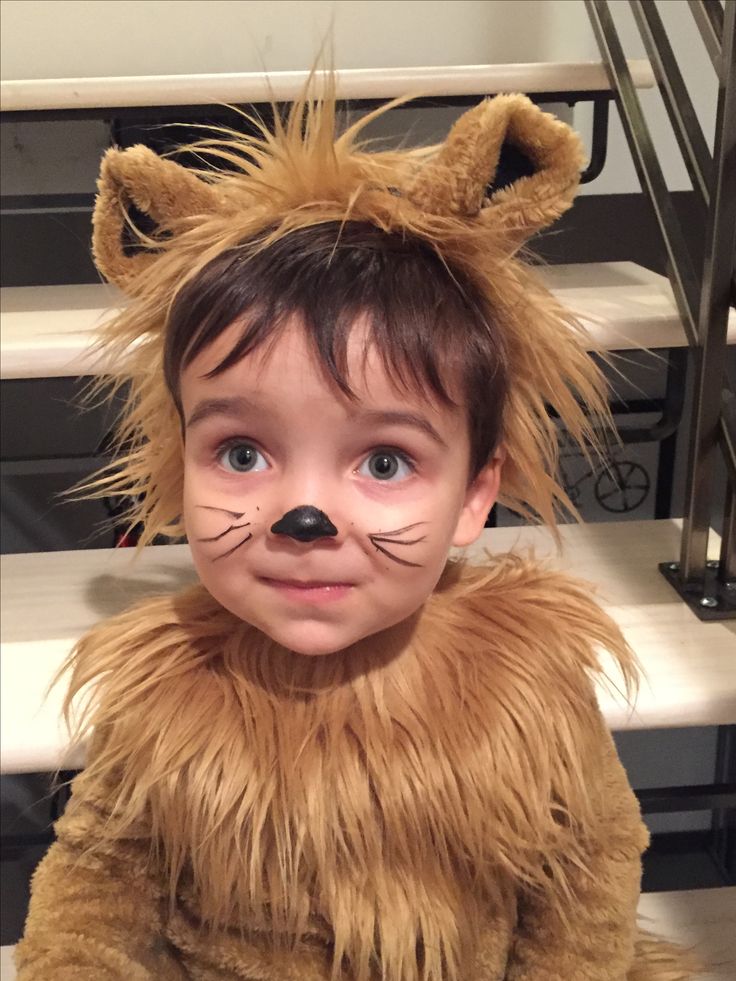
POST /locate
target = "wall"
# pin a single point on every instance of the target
(74, 38)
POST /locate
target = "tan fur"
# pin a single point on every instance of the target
(405, 792)
(307, 172)
(454, 182)
(382, 758)
(157, 187)
(440, 802)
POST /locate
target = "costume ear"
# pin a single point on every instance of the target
(138, 187)
(506, 164)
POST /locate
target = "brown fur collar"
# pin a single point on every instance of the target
(390, 790)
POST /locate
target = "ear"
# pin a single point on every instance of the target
(138, 180)
(505, 164)
(479, 499)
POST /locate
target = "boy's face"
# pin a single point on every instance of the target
(317, 519)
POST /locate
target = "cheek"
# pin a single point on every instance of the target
(414, 529)
(397, 593)
(400, 588)
(216, 520)
(198, 497)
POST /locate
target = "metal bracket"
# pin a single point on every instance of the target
(712, 600)
(668, 800)
(599, 142)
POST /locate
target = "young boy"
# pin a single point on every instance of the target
(341, 756)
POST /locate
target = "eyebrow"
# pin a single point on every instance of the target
(237, 406)
(412, 419)
(234, 405)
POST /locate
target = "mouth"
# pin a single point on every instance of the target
(310, 591)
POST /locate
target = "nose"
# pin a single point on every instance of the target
(305, 524)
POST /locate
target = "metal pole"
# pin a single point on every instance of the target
(720, 242)
(727, 564)
(723, 821)
(675, 96)
(685, 284)
(708, 16)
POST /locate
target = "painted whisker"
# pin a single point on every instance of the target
(233, 514)
(222, 534)
(380, 539)
(393, 541)
(385, 551)
(398, 531)
(230, 551)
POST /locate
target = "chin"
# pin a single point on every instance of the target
(311, 644)
(309, 638)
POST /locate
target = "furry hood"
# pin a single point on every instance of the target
(389, 790)
(461, 197)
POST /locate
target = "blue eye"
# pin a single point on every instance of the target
(386, 465)
(242, 458)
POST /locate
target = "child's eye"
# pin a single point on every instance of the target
(388, 465)
(241, 458)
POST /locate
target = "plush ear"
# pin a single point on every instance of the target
(139, 187)
(506, 164)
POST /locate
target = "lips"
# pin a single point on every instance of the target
(309, 590)
(305, 583)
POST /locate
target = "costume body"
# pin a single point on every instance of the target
(449, 784)
(437, 801)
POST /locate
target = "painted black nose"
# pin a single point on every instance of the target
(305, 523)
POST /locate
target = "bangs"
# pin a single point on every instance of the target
(428, 323)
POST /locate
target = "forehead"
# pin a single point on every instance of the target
(287, 366)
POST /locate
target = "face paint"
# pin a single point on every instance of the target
(305, 524)
(380, 470)
(379, 541)
(235, 515)
(233, 527)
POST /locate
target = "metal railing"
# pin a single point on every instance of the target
(703, 287)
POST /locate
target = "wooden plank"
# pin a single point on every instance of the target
(704, 919)
(50, 599)
(622, 305)
(284, 86)
(48, 331)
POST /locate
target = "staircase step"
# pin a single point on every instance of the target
(622, 305)
(704, 919)
(50, 599)
(284, 86)
(47, 331)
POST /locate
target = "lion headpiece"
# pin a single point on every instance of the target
(505, 171)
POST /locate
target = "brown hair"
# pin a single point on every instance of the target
(429, 323)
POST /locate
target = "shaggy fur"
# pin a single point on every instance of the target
(305, 173)
(442, 801)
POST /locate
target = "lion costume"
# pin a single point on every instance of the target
(446, 803)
